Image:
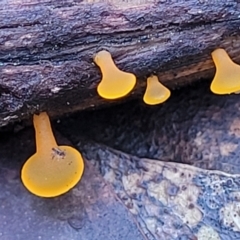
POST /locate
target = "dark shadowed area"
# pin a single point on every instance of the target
(136, 184)
(194, 126)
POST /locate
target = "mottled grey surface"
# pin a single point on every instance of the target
(171, 201)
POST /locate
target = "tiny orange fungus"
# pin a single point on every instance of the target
(227, 76)
(156, 92)
(115, 83)
(53, 169)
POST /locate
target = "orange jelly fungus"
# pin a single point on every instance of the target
(53, 169)
(115, 83)
(227, 76)
(155, 93)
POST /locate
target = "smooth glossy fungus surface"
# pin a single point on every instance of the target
(115, 83)
(53, 169)
(156, 92)
(227, 77)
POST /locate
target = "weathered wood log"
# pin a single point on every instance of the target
(47, 47)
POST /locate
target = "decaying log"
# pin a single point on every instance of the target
(47, 47)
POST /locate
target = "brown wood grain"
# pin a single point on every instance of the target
(47, 48)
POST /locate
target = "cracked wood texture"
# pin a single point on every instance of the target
(47, 48)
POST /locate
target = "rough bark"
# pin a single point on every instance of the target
(47, 47)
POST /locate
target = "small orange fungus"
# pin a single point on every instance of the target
(227, 76)
(53, 169)
(156, 92)
(115, 83)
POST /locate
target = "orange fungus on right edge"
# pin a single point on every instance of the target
(227, 76)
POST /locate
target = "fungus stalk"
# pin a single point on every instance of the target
(44, 138)
(53, 169)
(115, 83)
